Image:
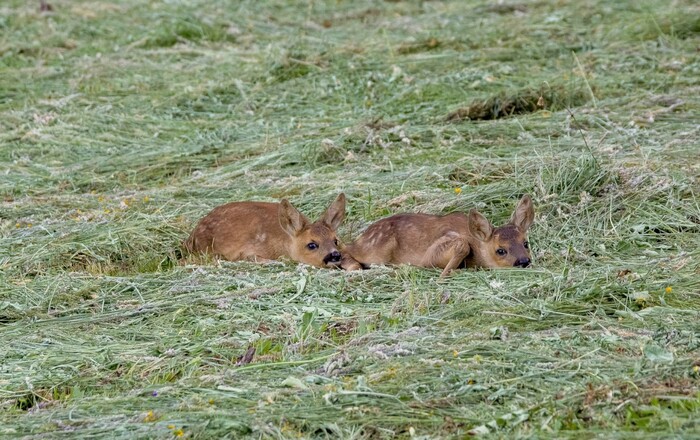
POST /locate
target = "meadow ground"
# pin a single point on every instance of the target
(123, 122)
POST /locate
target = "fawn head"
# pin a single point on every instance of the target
(313, 243)
(505, 246)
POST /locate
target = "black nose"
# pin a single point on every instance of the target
(522, 262)
(333, 257)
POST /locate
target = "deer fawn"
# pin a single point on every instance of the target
(268, 231)
(446, 242)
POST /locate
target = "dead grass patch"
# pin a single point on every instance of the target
(529, 100)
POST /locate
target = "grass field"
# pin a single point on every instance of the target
(123, 122)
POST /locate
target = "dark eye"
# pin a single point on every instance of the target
(335, 242)
(527, 245)
(312, 246)
(501, 251)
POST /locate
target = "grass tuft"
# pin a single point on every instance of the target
(171, 31)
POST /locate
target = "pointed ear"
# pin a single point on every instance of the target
(479, 227)
(335, 213)
(291, 220)
(524, 214)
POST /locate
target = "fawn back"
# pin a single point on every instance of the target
(269, 231)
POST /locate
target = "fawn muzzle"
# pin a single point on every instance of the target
(522, 262)
(333, 257)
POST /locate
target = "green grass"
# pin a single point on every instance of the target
(122, 123)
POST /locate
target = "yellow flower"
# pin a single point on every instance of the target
(458, 190)
(146, 199)
(100, 199)
(171, 426)
(696, 369)
(455, 353)
(212, 401)
(669, 289)
(178, 432)
(150, 417)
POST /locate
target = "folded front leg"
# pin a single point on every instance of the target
(447, 253)
(349, 263)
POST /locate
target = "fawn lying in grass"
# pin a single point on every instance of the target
(267, 231)
(446, 242)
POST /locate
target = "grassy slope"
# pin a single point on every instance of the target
(121, 123)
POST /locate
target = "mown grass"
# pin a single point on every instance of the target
(124, 122)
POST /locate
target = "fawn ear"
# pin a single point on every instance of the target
(524, 214)
(291, 220)
(479, 227)
(335, 213)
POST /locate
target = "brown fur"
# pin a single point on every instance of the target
(446, 242)
(268, 231)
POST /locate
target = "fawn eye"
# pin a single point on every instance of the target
(312, 246)
(527, 245)
(335, 242)
(501, 251)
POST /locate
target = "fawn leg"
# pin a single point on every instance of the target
(347, 262)
(446, 253)
(458, 252)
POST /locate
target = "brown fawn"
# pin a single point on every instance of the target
(447, 242)
(269, 231)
